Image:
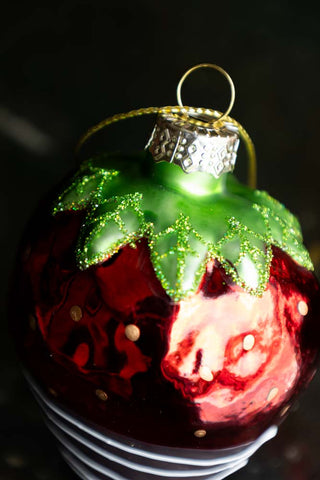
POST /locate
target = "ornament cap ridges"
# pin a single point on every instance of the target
(193, 148)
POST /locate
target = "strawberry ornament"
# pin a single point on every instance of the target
(168, 315)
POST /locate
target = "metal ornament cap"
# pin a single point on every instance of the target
(194, 148)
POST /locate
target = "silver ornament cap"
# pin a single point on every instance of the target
(194, 148)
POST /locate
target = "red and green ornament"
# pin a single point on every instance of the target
(166, 309)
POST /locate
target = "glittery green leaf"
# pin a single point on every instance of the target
(121, 222)
(289, 239)
(88, 187)
(276, 211)
(178, 255)
(251, 267)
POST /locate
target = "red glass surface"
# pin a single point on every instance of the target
(221, 360)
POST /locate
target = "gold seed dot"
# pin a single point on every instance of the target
(205, 373)
(248, 342)
(101, 395)
(75, 313)
(302, 308)
(200, 433)
(284, 411)
(52, 392)
(32, 322)
(132, 332)
(272, 394)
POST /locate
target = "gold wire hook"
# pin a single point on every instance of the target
(179, 110)
(219, 69)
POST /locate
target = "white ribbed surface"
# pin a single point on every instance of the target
(95, 456)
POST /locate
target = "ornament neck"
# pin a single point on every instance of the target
(198, 184)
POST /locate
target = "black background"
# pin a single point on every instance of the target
(67, 65)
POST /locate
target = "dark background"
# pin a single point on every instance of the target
(67, 65)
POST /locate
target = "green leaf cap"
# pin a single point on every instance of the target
(188, 220)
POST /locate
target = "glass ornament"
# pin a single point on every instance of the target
(166, 320)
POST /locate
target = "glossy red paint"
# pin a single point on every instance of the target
(221, 360)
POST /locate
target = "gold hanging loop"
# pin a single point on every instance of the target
(180, 110)
(224, 73)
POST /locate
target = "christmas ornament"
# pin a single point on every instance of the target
(167, 315)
